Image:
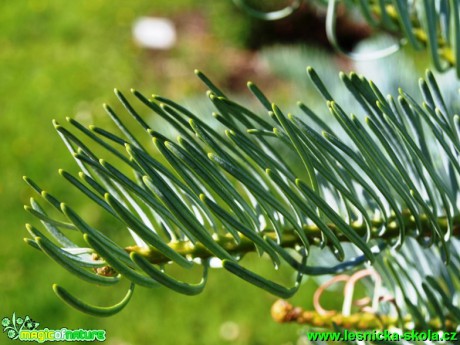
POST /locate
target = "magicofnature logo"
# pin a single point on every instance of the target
(15, 325)
(26, 329)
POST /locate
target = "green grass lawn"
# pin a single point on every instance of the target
(61, 59)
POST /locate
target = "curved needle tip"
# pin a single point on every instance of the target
(92, 309)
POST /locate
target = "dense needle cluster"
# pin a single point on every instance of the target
(386, 184)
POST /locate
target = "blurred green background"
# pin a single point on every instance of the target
(61, 59)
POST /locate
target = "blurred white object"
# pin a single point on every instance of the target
(154, 33)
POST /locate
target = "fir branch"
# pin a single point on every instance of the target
(376, 185)
(291, 240)
(422, 24)
(284, 312)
